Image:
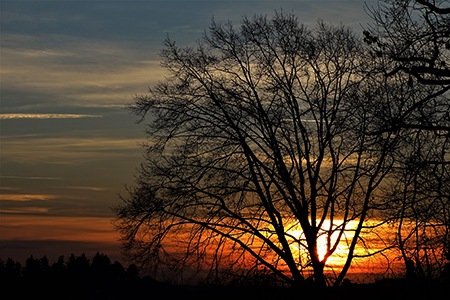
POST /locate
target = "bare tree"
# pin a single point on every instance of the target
(260, 143)
(410, 43)
(415, 35)
(418, 204)
(412, 37)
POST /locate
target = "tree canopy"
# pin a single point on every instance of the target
(265, 139)
(412, 40)
(415, 35)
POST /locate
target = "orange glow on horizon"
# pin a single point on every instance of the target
(83, 229)
(24, 235)
(99, 230)
(365, 264)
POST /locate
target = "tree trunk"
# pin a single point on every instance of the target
(319, 278)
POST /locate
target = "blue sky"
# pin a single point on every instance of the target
(68, 71)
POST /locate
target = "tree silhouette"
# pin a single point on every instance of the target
(101, 265)
(132, 271)
(415, 35)
(10, 269)
(59, 268)
(264, 139)
(418, 203)
(78, 266)
(78, 279)
(102, 270)
(119, 271)
(32, 267)
(412, 40)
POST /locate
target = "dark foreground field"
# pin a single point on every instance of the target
(146, 288)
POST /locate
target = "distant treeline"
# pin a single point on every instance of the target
(75, 268)
(81, 278)
(74, 278)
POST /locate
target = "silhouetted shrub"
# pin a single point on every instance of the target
(132, 271)
(10, 269)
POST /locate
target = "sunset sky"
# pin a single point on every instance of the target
(68, 144)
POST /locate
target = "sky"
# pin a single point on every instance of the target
(68, 144)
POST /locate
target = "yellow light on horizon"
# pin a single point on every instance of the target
(338, 257)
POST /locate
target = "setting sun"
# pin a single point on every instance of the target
(321, 247)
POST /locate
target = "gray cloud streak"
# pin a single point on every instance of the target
(45, 116)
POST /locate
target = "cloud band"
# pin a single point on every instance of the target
(45, 116)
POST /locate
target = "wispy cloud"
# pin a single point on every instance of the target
(45, 116)
(29, 178)
(26, 197)
(80, 72)
(87, 188)
(69, 151)
(24, 210)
